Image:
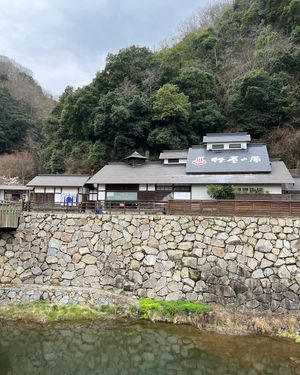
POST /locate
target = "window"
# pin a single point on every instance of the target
(235, 145)
(256, 190)
(121, 196)
(170, 161)
(217, 147)
(182, 188)
(163, 187)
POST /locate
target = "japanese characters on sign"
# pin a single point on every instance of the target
(200, 160)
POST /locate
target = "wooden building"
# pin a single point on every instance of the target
(59, 189)
(222, 158)
(14, 193)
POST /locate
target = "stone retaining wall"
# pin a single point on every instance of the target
(249, 263)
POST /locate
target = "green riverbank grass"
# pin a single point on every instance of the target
(46, 312)
(196, 314)
(290, 335)
(171, 309)
(146, 308)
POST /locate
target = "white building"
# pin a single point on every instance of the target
(59, 189)
(223, 158)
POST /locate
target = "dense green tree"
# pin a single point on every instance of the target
(197, 83)
(258, 101)
(170, 105)
(131, 64)
(14, 122)
(56, 163)
(207, 117)
(97, 155)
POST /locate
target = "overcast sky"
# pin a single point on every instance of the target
(65, 42)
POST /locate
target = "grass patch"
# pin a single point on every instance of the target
(171, 309)
(290, 335)
(45, 312)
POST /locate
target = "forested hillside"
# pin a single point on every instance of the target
(239, 72)
(23, 106)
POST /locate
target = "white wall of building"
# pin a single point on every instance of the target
(182, 195)
(271, 189)
(67, 192)
(39, 190)
(1, 195)
(101, 195)
(276, 189)
(199, 192)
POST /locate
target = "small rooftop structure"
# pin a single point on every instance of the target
(173, 154)
(135, 155)
(136, 159)
(226, 137)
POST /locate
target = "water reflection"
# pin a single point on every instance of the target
(139, 349)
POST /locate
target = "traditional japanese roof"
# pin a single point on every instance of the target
(254, 159)
(226, 137)
(173, 154)
(158, 173)
(15, 187)
(135, 155)
(63, 180)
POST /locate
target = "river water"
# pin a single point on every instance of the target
(139, 349)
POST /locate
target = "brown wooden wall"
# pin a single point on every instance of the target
(42, 197)
(235, 207)
(121, 187)
(152, 195)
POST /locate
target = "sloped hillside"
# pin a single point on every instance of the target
(240, 71)
(23, 106)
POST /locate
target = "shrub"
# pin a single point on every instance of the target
(221, 191)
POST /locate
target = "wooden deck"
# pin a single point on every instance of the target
(10, 214)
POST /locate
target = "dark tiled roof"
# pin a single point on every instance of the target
(173, 154)
(226, 137)
(15, 187)
(295, 187)
(157, 173)
(63, 180)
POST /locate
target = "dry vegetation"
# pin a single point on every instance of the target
(23, 165)
(24, 88)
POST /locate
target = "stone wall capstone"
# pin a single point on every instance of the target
(247, 263)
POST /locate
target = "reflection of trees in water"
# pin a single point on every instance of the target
(137, 349)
